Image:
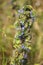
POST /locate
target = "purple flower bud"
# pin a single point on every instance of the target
(25, 55)
(23, 46)
(28, 50)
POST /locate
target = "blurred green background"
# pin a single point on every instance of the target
(7, 30)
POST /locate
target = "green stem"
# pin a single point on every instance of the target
(3, 59)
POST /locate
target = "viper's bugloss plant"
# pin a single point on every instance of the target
(22, 40)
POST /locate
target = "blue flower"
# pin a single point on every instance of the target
(21, 36)
(21, 24)
(21, 11)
